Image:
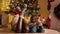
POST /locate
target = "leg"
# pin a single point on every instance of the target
(33, 29)
(40, 29)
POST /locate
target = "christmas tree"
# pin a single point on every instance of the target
(32, 6)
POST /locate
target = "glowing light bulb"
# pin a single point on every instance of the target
(7, 7)
(2, 8)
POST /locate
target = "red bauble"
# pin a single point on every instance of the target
(15, 11)
(34, 4)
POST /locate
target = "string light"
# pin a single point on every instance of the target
(5, 5)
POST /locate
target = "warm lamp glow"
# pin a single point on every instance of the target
(5, 5)
(8, 8)
(2, 9)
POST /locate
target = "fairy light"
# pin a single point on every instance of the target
(5, 5)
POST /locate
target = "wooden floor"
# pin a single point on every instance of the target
(47, 31)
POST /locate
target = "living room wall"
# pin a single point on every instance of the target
(43, 8)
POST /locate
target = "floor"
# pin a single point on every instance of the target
(5, 30)
(47, 31)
